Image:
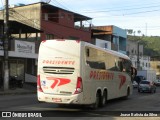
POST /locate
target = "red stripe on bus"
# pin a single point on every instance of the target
(123, 80)
(58, 81)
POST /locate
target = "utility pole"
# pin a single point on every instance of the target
(6, 37)
(138, 62)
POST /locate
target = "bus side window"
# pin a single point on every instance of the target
(102, 65)
(120, 64)
(96, 65)
(87, 52)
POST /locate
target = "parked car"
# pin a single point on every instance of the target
(157, 82)
(146, 86)
(135, 84)
(138, 79)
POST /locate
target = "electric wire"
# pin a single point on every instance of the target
(127, 14)
(48, 31)
(59, 4)
(124, 7)
(31, 22)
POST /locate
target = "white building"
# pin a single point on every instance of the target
(135, 52)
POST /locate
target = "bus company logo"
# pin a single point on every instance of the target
(59, 62)
(101, 75)
(58, 81)
(122, 80)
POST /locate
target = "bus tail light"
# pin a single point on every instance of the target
(39, 88)
(78, 86)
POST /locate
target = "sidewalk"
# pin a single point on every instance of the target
(27, 89)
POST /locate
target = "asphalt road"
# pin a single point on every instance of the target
(138, 102)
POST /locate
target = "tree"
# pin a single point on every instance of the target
(139, 32)
(129, 31)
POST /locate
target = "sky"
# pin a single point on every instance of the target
(138, 15)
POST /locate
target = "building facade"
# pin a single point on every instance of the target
(30, 25)
(22, 53)
(115, 35)
(55, 22)
(155, 64)
(135, 52)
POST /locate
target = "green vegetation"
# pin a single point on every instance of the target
(151, 44)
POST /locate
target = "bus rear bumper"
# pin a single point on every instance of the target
(59, 99)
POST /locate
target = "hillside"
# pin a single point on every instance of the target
(151, 44)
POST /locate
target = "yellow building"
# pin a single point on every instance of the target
(155, 65)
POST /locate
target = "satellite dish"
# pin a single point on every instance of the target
(46, 1)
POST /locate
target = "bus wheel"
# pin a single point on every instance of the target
(97, 102)
(128, 92)
(104, 99)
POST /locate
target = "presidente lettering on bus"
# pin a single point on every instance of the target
(58, 62)
(101, 75)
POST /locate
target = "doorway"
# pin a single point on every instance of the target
(16, 68)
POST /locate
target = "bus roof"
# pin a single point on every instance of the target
(115, 53)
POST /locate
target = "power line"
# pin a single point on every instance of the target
(138, 7)
(142, 12)
(122, 9)
(59, 4)
(126, 14)
(66, 4)
(31, 21)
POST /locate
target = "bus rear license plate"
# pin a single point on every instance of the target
(57, 99)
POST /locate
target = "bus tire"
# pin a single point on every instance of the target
(104, 99)
(97, 102)
(128, 93)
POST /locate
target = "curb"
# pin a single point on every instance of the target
(16, 93)
(27, 89)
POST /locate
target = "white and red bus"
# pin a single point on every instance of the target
(77, 72)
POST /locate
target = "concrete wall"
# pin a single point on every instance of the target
(61, 31)
(103, 44)
(119, 32)
(29, 14)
